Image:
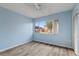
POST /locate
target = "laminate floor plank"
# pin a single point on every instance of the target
(38, 49)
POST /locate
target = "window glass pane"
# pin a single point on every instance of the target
(45, 27)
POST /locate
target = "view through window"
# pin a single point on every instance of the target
(45, 27)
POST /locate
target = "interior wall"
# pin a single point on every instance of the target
(64, 36)
(15, 29)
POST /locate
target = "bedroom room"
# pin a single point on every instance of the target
(39, 29)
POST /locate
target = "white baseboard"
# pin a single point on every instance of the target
(77, 53)
(14, 46)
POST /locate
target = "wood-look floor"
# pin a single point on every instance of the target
(38, 49)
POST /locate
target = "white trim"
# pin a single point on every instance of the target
(77, 53)
(14, 46)
(75, 37)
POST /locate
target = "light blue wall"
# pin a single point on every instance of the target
(76, 10)
(64, 36)
(14, 29)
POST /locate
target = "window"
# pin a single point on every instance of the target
(45, 27)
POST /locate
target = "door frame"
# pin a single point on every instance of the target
(75, 34)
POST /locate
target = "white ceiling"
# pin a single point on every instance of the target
(28, 9)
